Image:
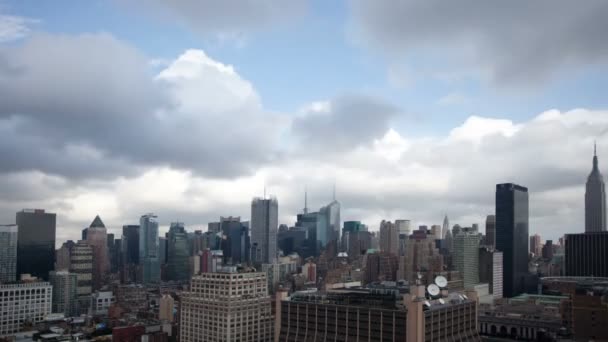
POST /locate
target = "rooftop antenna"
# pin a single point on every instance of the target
(334, 193)
(306, 199)
(264, 190)
(595, 148)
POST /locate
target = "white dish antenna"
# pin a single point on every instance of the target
(441, 281)
(433, 290)
(441, 301)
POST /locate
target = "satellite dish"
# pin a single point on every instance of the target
(433, 290)
(465, 296)
(441, 301)
(427, 303)
(441, 281)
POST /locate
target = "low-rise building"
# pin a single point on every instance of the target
(23, 303)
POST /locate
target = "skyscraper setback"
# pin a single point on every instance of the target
(512, 235)
(595, 199)
(264, 227)
(35, 242)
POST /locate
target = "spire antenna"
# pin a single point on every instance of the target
(595, 148)
(306, 199)
(334, 192)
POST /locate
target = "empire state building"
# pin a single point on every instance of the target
(595, 200)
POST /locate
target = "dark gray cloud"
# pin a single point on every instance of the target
(510, 41)
(227, 17)
(89, 106)
(343, 123)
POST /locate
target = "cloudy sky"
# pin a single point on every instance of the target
(188, 108)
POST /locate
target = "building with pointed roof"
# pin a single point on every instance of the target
(97, 238)
(595, 199)
(446, 226)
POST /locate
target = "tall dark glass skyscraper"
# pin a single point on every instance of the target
(35, 242)
(595, 200)
(235, 240)
(512, 236)
(178, 253)
(149, 258)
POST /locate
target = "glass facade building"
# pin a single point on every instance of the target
(178, 253)
(8, 253)
(35, 242)
(512, 236)
(264, 228)
(235, 243)
(149, 249)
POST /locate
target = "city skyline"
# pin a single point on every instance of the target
(403, 131)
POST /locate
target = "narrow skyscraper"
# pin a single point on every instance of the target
(264, 227)
(512, 236)
(178, 253)
(491, 230)
(149, 249)
(97, 238)
(446, 227)
(35, 242)
(595, 199)
(8, 253)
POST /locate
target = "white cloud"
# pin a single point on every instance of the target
(14, 27)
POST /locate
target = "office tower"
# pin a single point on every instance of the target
(292, 241)
(81, 264)
(448, 242)
(149, 249)
(512, 236)
(35, 242)
(595, 199)
(466, 257)
(227, 306)
(211, 261)
(65, 292)
(178, 253)
(331, 214)
(130, 254)
(113, 253)
(23, 302)
(166, 307)
(535, 245)
(235, 244)
(490, 269)
(62, 256)
(491, 231)
(8, 253)
(587, 254)
(389, 237)
(133, 297)
(264, 227)
(356, 240)
(197, 242)
(309, 222)
(403, 226)
(215, 227)
(97, 238)
(445, 227)
(84, 233)
(436, 232)
(547, 251)
(163, 249)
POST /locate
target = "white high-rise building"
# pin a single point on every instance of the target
(227, 306)
(8, 253)
(264, 228)
(23, 302)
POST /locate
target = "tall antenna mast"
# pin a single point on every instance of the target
(306, 199)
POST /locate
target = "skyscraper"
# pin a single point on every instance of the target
(331, 218)
(149, 249)
(235, 243)
(8, 253)
(466, 257)
(264, 227)
(178, 253)
(65, 293)
(490, 269)
(389, 237)
(97, 238)
(81, 263)
(130, 253)
(491, 231)
(35, 242)
(586, 254)
(595, 199)
(445, 227)
(535, 245)
(512, 236)
(23, 303)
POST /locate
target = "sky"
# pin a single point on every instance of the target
(190, 108)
